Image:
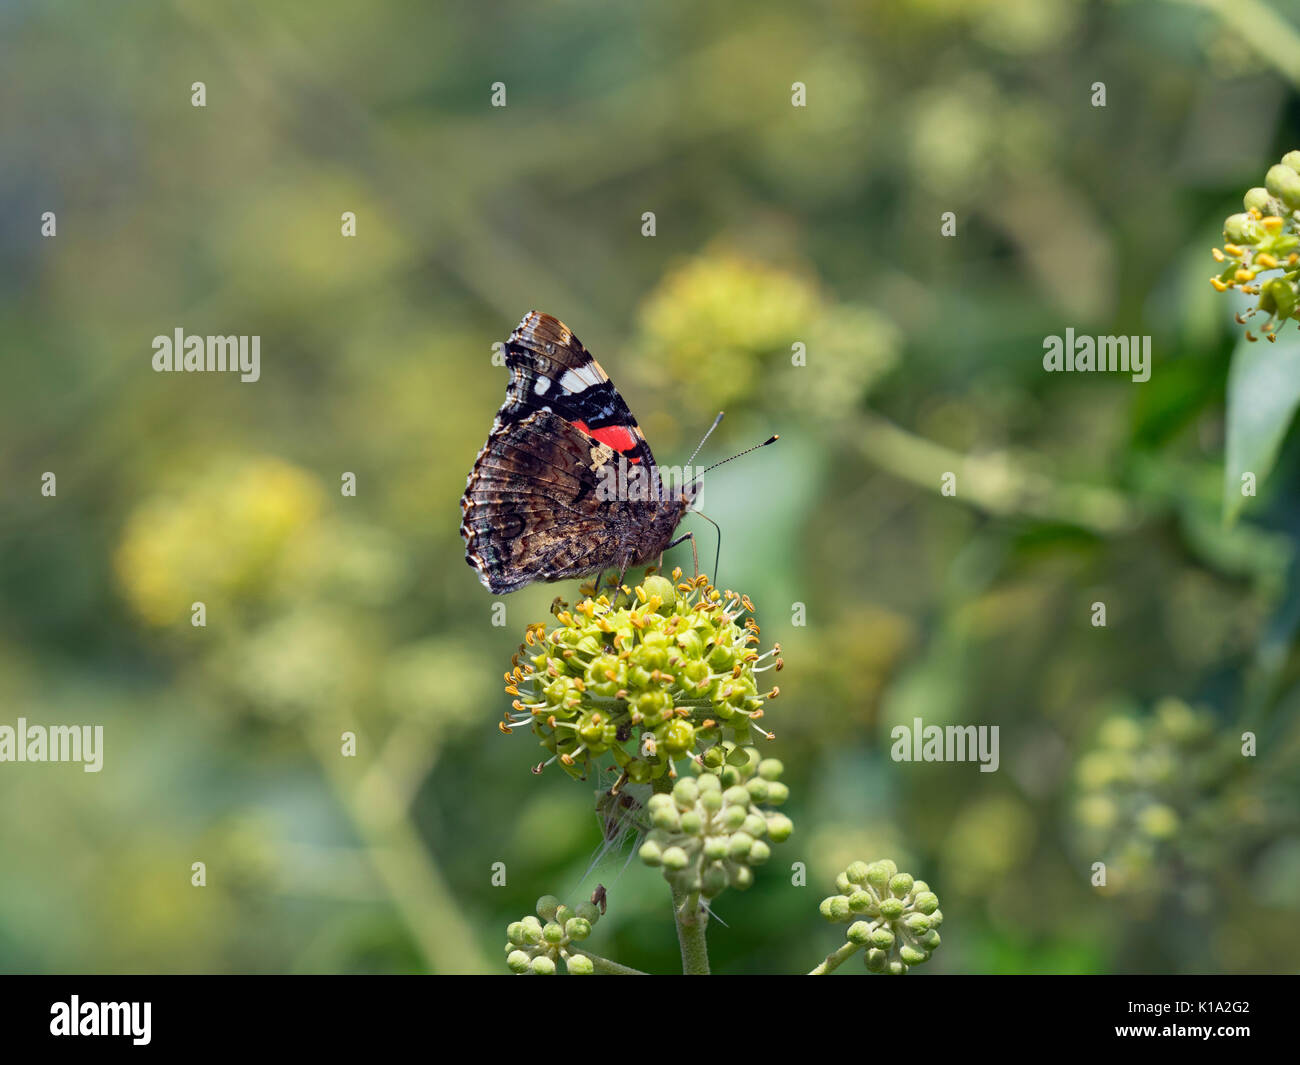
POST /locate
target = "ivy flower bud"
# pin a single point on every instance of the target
(1284, 183)
(1258, 199)
(579, 965)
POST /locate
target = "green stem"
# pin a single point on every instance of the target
(1262, 28)
(605, 966)
(993, 483)
(836, 958)
(691, 925)
(409, 873)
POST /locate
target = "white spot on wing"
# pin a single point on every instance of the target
(572, 382)
(543, 383)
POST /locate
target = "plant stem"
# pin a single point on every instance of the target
(1262, 28)
(993, 483)
(605, 966)
(406, 869)
(837, 958)
(691, 925)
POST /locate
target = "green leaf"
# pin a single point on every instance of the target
(1263, 391)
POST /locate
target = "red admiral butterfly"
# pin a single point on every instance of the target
(534, 507)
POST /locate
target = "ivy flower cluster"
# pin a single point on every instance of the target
(670, 674)
(1262, 239)
(895, 917)
(709, 832)
(1142, 788)
(539, 945)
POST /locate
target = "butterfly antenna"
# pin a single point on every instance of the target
(770, 440)
(717, 555)
(716, 422)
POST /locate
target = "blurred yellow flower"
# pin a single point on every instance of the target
(219, 539)
(713, 318)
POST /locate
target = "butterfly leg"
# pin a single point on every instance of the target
(695, 556)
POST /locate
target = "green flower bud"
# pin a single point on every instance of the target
(515, 933)
(692, 823)
(675, 858)
(740, 846)
(878, 874)
(859, 932)
(882, 938)
(1258, 199)
(651, 854)
(542, 965)
(777, 793)
(759, 852)
(546, 907)
(553, 934)
(779, 828)
(926, 901)
(856, 872)
(518, 961)
(912, 956)
(588, 911)
(1284, 183)
(579, 965)
(900, 885)
(686, 791)
(741, 876)
(876, 960)
(891, 909)
(1292, 159)
(679, 735)
(715, 847)
(577, 928)
(1243, 228)
(863, 902)
(835, 908)
(667, 818)
(734, 816)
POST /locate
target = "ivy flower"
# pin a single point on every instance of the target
(670, 674)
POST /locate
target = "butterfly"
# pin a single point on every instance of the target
(541, 503)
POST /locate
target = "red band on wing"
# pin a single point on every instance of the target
(619, 438)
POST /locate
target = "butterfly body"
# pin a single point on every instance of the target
(538, 504)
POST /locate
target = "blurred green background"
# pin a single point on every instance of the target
(775, 225)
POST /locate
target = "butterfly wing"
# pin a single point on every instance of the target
(532, 510)
(550, 370)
